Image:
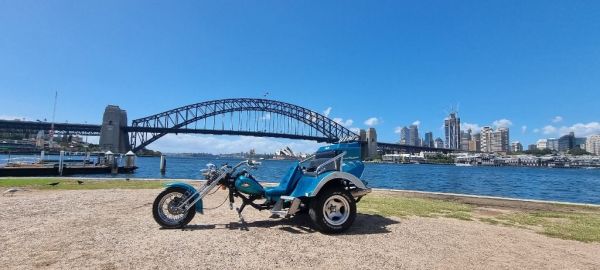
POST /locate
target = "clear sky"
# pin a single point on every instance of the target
(531, 65)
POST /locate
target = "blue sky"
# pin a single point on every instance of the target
(532, 65)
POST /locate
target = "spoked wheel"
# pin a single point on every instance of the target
(333, 210)
(165, 208)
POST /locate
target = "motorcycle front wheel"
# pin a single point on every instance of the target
(165, 208)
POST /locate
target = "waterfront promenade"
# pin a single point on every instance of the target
(111, 228)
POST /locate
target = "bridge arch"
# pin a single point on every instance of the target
(239, 116)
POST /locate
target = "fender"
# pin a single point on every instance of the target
(310, 186)
(191, 190)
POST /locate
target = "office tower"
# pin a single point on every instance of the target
(413, 138)
(438, 143)
(404, 136)
(532, 147)
(452, 130)
(580, 143)
(552, 144)
(475, 143)
(428, 141)
(465, 138)
(566, 142)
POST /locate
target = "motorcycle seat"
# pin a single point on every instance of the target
(287, 183)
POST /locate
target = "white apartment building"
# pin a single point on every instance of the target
(592, 144)
(542, 144)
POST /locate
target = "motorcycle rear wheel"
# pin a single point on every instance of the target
(333, 210)
(165, 212)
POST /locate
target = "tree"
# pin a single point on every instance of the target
(578, 152)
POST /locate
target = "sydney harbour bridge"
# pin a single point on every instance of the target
(236, 116)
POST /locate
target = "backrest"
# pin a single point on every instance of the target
(289, 180)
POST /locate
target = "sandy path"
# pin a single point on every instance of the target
(114, 229)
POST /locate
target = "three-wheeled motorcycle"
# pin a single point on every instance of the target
(327, 185)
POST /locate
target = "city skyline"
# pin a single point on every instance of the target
(385, 66)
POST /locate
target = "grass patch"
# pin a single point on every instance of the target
(580, 226)
(72, 184)
(402, 207)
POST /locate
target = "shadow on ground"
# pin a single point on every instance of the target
(364, 224)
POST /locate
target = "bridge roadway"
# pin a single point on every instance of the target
(59, 128)
(94, 130)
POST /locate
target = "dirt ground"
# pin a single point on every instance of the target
(114, 229)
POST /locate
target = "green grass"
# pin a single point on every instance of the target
(67, 184)
(403, 207)
(582, 224)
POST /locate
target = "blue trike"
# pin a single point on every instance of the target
(327, 185)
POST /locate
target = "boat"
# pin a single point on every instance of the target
(463, 164)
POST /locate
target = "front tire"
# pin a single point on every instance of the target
(165, 212)
(333, 210)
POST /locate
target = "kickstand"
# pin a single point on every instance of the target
(242, 221)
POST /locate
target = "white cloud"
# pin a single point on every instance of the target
(373, 121)
(524, 129)
(355, 130)
(474, 127)
(536, 130)
(187, 143)
(417, 123)
(502, 123)
(557, 119)
(346, 123)
(266, 116)
(398, 130)
(581, 129)
(549, 129)
(327, 111)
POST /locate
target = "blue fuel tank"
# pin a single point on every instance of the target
(247, 184)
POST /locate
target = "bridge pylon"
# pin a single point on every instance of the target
(368, 139)
(113, 134)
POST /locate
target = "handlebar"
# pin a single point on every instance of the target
(211, 172)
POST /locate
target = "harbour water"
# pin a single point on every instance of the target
(568, 185)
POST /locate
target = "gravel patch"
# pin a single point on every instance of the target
(114, 229)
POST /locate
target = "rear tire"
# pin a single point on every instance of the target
(164, 212)
(333, 210)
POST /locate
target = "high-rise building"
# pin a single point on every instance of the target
(438, 143)
(428, 141)
(475, 143)
(580, 143)
(414, 139)
(542, 144)
(465, 138)
(592, 144)
(404, 136)
(500, 141)
(486, 139)
(566, 142)
(516, 147)
(495, 141)
(552, 144)
(532, 147)
(452, 130)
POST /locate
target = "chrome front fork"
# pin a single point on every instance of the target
(201, 192)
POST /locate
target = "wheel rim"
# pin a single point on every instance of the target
(167, 208)
(336, 210)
